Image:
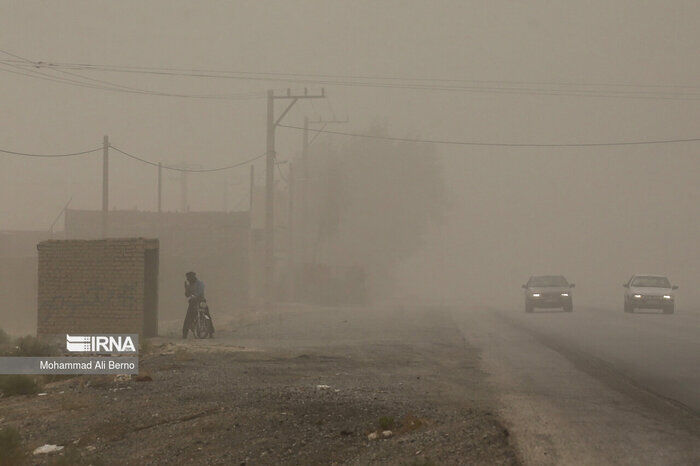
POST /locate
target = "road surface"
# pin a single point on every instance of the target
(596, 386)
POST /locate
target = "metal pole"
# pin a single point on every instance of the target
(252, 186)
(160, 187)
(105, 186)
(290, 233)
(304, 189)
(269, 202)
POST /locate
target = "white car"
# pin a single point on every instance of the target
(650, 292)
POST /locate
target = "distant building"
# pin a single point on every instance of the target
(213, 244)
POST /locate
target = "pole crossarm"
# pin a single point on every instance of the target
(294, 98)
(286, 110)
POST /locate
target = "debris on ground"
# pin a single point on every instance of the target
(122, 378)
(46, 449)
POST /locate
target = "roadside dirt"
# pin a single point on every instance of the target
(295, 387)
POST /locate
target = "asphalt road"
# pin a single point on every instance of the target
(596, 386)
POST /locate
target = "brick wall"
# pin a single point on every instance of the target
(91, 286)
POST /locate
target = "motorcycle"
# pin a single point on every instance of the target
(202, 325)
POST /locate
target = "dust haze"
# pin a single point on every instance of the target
(594, 214)
(460, 147)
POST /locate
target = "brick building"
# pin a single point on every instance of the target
(98, 286)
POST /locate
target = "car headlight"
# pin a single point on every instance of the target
(535, 295)
(637, 296)
(565, 294)
(667, 296)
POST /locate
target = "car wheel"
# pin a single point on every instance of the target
(528, 306)
(628, 308)
(569, 307)
(669, 309)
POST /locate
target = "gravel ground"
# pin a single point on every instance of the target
(298, 386)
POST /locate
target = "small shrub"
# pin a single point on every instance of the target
(386, 423)
(33, 346)
(18, 384)
(410, 423)
(12, 452)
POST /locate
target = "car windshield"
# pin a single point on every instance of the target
(548, 280)
(651, 282)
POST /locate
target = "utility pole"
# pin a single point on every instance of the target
(105, 186)
(269, 203)
(270, 179)
(225, 199)
(160, 187)
(290, 234)
(303, 225)
(252, 186)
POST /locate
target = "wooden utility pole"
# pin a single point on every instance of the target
(269, 203)
(160, 187)
(252, 186)
(303, 224)
(290, 234)
(270, 180)
(105, 186)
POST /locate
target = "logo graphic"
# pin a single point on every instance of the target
(101, 343)
(80, 344)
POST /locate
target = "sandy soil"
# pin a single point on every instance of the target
(297, 386)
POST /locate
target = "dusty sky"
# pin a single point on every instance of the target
(595, 214)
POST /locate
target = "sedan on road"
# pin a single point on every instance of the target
(650, 292)
(548, 291)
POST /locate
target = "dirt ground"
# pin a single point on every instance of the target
(296, 386)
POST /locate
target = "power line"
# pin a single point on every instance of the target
(70, 154)
(103, 84)
(642, 91)
(499, 144)
(193, 71)
(188, 170)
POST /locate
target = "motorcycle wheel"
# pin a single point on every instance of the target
(201, 329)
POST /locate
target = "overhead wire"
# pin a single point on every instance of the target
(188, 170)
(70, 154)
(27, 68)
(641, 91)
(499, 144)
(193, 71)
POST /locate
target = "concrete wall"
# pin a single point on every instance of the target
(92, 286)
